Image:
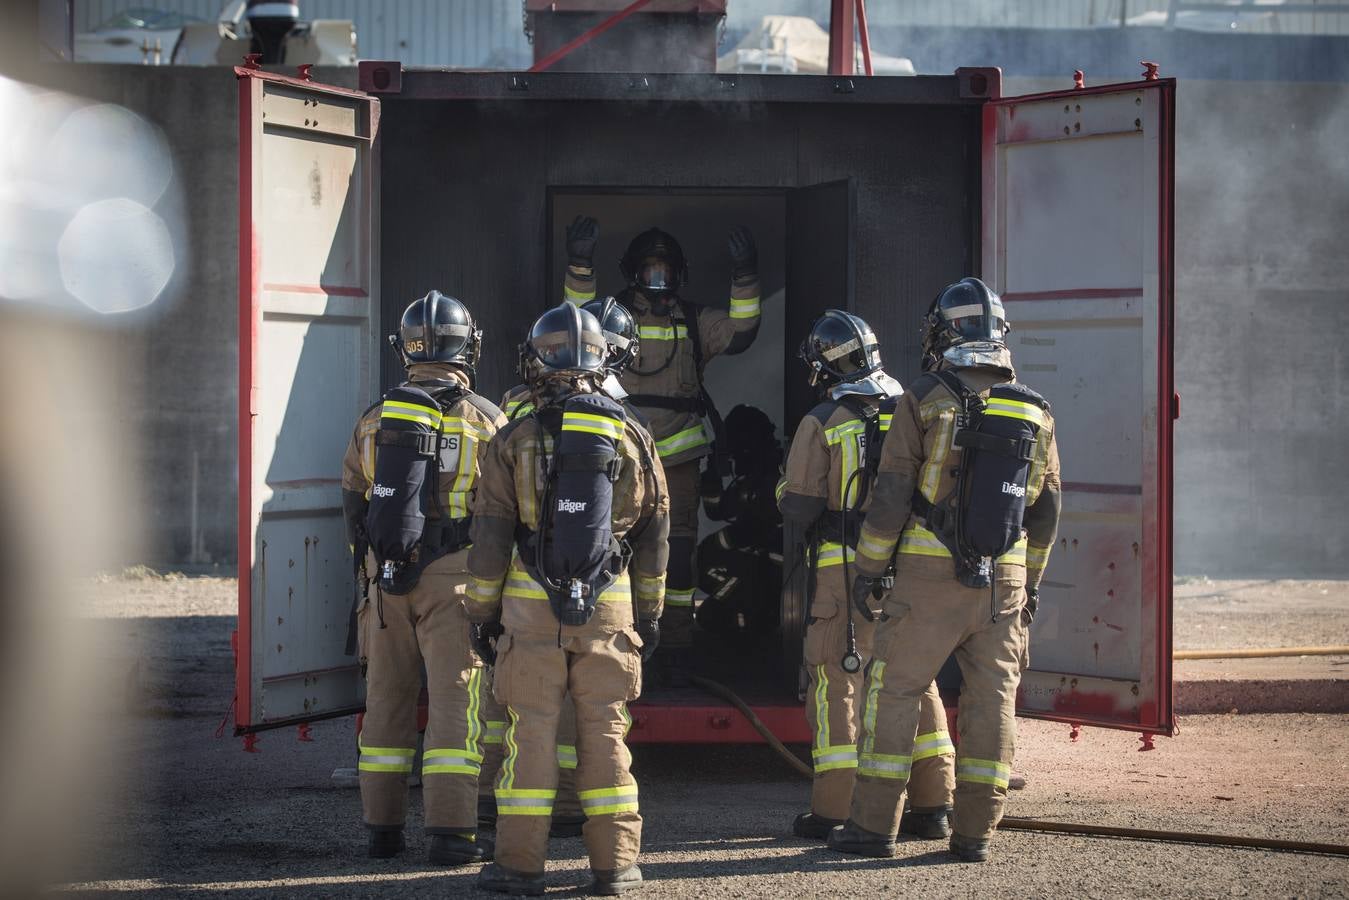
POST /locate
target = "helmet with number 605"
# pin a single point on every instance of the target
(438, 328)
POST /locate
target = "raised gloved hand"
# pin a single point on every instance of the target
(864, 589)
(649, 631)
(483, 636)
(744, 254)
(582, 236)
(1031, 605)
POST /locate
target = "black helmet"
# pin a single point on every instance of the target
(654, 263)
(840, 347)
(966, 311)
(437, 328)
(620, 330)
(566, 339)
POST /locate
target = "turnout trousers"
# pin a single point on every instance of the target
(929, 618)
(676, 625)
(493, 750)
(426, 627)
(834, 705)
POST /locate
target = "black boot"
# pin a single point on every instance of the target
(457, 849)
(609, 884)
(969, 849)
(495, 878)
(817, 828)
(926, 823)
(386, 843)
(853, 838)
(566, 826)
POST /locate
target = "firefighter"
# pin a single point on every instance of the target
(620, 335)
(824, 491)
(426, 624)
(968, 492)
(665, 381)
(568, 563)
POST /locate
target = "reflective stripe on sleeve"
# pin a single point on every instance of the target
(1037, 556)
(648, 588)
(744, 309)
(610, 800)
(397, 760)
(493, 731)
(831, 554)
(982, 771)
(780, 489)
(680, 441)
(566, 756)
(484, 591)
(885, 765)
(873, 547)
(934, 743)
(570, 293)
(525, 802)
(679, 598)
(662, 333)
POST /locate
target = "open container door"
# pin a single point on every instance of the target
(1077, 237)
(308, 320)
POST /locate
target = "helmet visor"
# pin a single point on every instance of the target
(556, 351)
(656, 275)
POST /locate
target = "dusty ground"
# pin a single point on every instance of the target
(198, 816)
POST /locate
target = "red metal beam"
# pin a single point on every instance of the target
(841, 18)
(588, 36)
(864, 36)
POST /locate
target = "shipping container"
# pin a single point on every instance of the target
(866, 193)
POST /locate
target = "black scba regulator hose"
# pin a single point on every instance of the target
(1021, 823)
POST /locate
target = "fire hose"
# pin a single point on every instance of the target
(1020, 823)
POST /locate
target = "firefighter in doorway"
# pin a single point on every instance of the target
(968, 493)
(418, 616)
(827, 486)
(665, 381)
(568, 562)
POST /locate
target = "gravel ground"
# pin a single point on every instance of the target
(197, 816)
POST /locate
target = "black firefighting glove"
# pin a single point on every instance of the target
(744, 255)
(483, 637)
(582, 236)
(865, 589)
(649, 631)
(1031, 605)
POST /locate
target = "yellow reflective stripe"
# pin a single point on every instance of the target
(506, 779)
(680, 597)
(494, 731)
(484, 591)
(821, 707)
(886, 419)
(648, 588)
(474, 714)
(850, 444)
(1014, 409)
(831, 554)
(874, 684)
(524, 801)
(839, 432)
(747, 308)
(412, 412)
(934, 743)
(682, 440)
(662, 333)
(885, 765)
(522, 587)
(873, 547)
(983, 771)
(566, 756)
(456, 425)
(451, 762)
(419, 418)
(396, 760)
(918, 541)
(829, 759)
(930, 475)
(1037, 556)
(626, 717)
(570, 293)
(1016, 556)
(592, 424)
(780, 489)
(610, 800)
